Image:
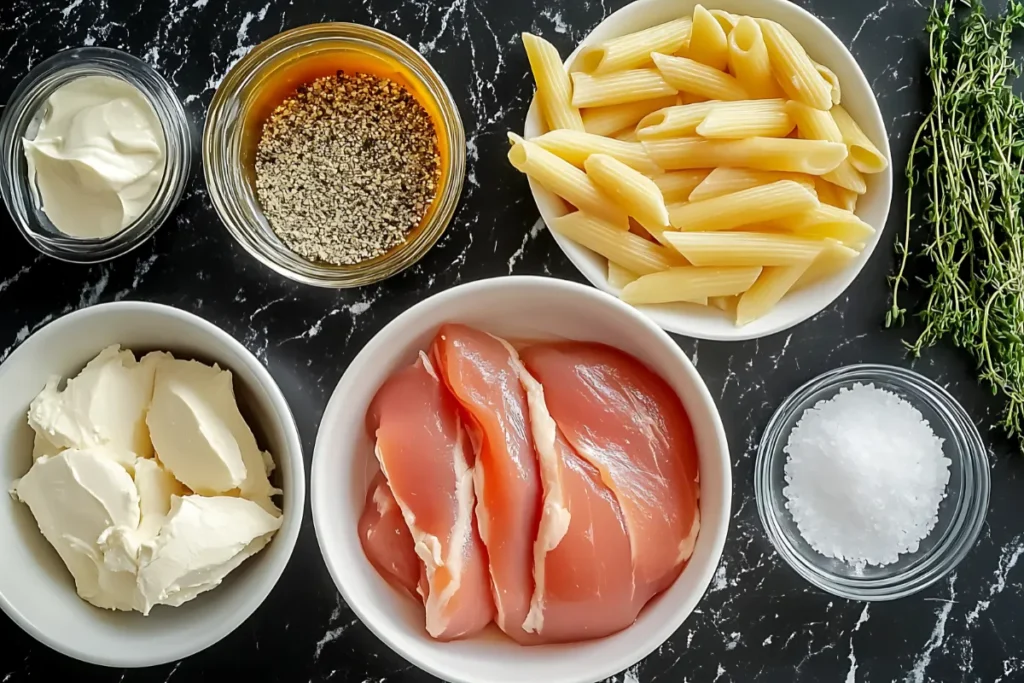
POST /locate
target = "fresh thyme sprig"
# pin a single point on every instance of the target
(966, 169)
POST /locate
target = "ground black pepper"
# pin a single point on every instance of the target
(346, 167)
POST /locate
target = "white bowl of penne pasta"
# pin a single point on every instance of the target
(724, 169)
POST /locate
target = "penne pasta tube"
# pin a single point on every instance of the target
(724, 303)
(727, 20)
(813, 157)
(634, 50)
(677, 186)
(793, 69)
(769, 289)
(688, 283)
(745, 123)
(562, 178)
(683, 120)
(845, 199)
(623, 247)
(691, 76)
(634, 192)
(619, 117)
(748, 60)
(554, 89)
(830, 77)
(726, 180)
(690, 98)
(618, 87)
(826, 191)
(815, 124)
(742, 248)
(619, 277)
(754, 205)
(834, 257)
(828, 222)
(864, 155)
(708, 43)
(627, 135)
(576, 146)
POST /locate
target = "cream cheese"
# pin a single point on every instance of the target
(202, 540)
(77, 497)
(105, 404)
(98, 157)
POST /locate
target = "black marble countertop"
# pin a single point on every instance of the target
(759, 620)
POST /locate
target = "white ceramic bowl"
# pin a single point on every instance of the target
(36, 589)
(823, 45)
(343, 464)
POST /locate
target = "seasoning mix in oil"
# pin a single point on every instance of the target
(346, 167)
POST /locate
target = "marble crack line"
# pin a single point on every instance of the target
(873, 16)
(1007, 561)
(426, 47)
(527, 238)
(936, 639)
(330, 636)
(4, 284)
(851, 675)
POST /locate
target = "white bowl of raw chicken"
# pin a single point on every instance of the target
(519, 308)
(857, 97)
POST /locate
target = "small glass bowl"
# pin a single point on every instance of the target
(21, 119)
(234, 125)
(961, 513)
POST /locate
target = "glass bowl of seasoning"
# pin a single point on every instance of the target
(95, 153)
(872, 482)
(334, 154)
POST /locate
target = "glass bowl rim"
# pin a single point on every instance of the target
(31, 92)
(968, 519)
(229, 206)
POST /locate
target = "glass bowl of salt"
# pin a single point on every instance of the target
(872, 482)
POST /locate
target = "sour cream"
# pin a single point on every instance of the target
(98, 157)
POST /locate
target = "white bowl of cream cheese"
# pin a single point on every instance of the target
(191, 559)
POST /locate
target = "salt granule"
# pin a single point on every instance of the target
(865, 475)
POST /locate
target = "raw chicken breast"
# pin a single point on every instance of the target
(582, 564)
(386, 539)
(629, 425)
(483, 372)
(424, 452)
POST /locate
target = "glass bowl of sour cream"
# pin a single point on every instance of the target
(95, 153)
(847, 476)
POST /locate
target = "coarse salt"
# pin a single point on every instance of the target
(865, 475)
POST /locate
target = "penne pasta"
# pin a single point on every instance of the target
(769, 289)
(627, 135)
(619, 117)
(727, 20)
(748, 60)
(635, 193)
(830, 77)
(554, 89)
(845, 199)
(690, 98)
(688, 283)
(634, 50)
(576, 146)
(727, 180)
(694, 77)
(621, 246)
(677, 186)
(754, 205)
(815, 124)
(724, 303)
(826, 191)
(708, 43)
(742, 248)
(619, 277)
(737, 122)
(619, 87)
(813, 157)
(828, 222)
(793, 69)
(833, 258)
(683, 120)
(562, 178)
(864, 156)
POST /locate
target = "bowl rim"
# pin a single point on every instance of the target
(229, 206)
(287, 535)
(968, 518)
(680, 323)
(319, 492)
